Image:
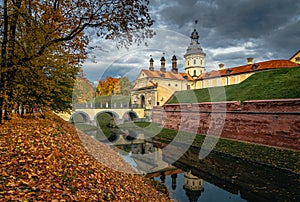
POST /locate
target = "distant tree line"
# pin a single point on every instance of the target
(114, 86)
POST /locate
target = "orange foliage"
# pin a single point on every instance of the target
(108, 87)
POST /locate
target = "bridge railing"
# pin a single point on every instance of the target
(108, 106)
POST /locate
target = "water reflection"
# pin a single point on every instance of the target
(193, 186)
(146, 157)
(217, 177)
(182, 184)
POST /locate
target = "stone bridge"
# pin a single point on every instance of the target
(89, 115)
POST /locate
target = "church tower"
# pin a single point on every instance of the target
(194, 57)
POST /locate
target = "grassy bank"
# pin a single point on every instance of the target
(48, 160)
(262, 154)
(273, 84)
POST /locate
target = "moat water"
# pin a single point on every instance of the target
(175, 180)
(217, 177)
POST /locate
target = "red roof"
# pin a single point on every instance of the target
(167, 75)
(259, 66)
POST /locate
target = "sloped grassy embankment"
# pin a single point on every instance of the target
(45, 160)
(273, 84)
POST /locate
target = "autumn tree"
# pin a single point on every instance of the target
(113, 86)
(43, 44)
(125, 86)
(107, 87)
(83, 90)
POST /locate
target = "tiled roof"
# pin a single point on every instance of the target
(272, 64)
(167, 75)
(186, 76)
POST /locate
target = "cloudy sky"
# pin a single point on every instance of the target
(229, 30)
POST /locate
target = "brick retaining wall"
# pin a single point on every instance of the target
(268, 122)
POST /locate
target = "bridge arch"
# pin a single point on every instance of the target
(111, 113)
(130, 116)
(114, 117)
(125, 138)
(79, 117)
(121, 139)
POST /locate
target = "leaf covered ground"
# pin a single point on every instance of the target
(47, 160)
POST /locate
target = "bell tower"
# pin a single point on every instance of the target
(194, 57)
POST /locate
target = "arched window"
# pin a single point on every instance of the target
(142, 101)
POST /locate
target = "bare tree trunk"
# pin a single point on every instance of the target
(3, 56)
(9, 55)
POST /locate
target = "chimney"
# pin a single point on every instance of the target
(163, 63)
(174, 64)
(221, 66)
(151, 68)
(250, 61)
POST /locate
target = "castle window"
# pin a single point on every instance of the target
(176, 85)
(195, 61)
(169, 84)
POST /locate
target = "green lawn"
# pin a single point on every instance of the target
(273, 84)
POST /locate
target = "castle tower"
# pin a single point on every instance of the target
(194, 57)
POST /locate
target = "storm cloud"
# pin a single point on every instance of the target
(229, 30)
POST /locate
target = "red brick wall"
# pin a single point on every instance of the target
(268, 122)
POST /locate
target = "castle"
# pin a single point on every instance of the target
(154, 87)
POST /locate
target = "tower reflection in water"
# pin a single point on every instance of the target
(193, 186)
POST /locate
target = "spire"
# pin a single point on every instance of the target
(163, 63)
(194, 47)
(194, 35)
(174, 64)
(151, 68)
